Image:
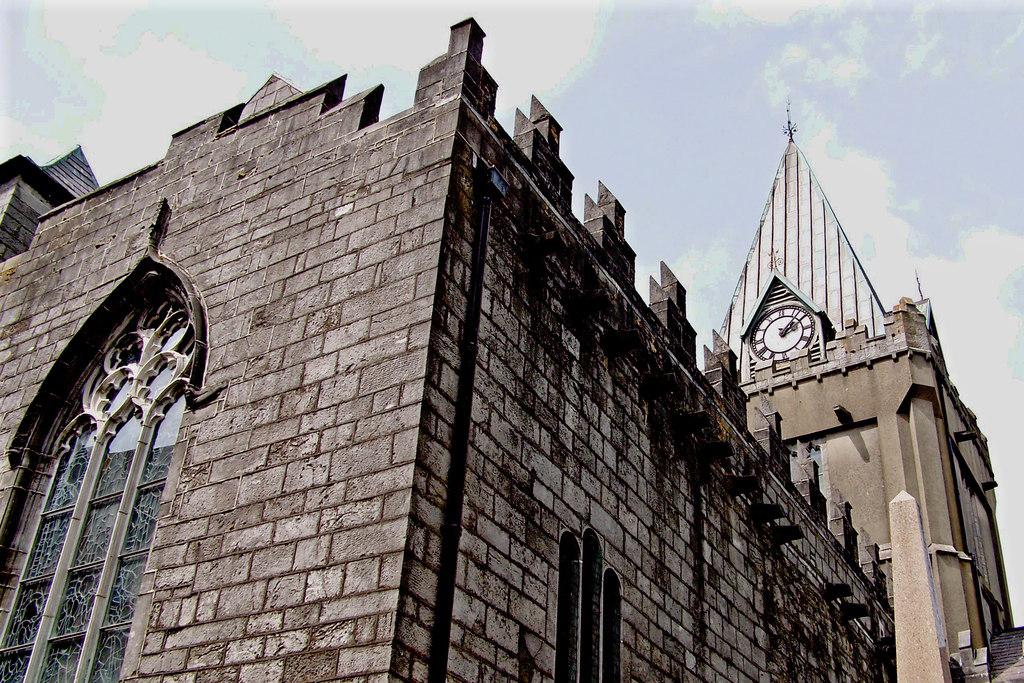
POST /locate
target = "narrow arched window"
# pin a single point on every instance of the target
(568, 617)
(590, 616)
(75, 600)
(611, 628)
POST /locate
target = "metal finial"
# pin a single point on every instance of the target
(790, 129)
(920, 292)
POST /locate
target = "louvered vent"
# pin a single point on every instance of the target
(779, 295)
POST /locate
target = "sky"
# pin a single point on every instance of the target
(909, 114)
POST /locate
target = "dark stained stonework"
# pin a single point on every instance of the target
(325, 505)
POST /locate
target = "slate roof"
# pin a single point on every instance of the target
(1006, 655)
(800, 237)
(73, 172)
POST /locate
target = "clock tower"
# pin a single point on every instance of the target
(863, 391)
(783, 322)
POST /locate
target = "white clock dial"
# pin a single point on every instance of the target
(782, 331)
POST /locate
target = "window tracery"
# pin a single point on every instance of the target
(76, 597)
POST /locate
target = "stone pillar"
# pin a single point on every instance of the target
(921, 650)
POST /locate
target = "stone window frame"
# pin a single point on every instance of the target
(34, 451)
(587, 604)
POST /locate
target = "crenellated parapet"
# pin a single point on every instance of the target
(538, 136)
(605, 220)
(668, 301)
(905, 331)
(720, 369)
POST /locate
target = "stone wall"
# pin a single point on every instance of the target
(570, 432)
(20, 208)
(311, 530)
(311, 233)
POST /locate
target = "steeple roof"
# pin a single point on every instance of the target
(800, 238)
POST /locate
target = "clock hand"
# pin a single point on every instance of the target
(785, 330)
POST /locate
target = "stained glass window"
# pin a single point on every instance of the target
(611, 629)
(101, 510)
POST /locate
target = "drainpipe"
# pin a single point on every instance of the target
(487, 183)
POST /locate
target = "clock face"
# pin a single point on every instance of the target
(781, 331)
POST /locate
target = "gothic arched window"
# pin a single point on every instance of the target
(590, 619)
(588, 634)
(611, 629)
(109, 456)
(568, 615)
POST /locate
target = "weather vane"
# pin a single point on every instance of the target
(790, 129)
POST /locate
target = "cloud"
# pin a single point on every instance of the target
(120, 94)
(726, 13)
(976, 293)
(135, 101)
(143, 70)
(43, 147)
(532, 47)
(839, 63)
(797, 64)
(922, 53)
(1011, 39)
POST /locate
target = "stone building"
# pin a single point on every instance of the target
(28, 190)
(864, 394)
(320, 396)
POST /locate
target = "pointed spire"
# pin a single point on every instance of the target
(800, 239)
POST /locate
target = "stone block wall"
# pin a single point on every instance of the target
(422, 370)
(20, 208)
(566, 436)
(312, 234)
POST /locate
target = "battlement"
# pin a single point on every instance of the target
(428, 369)
(906, 334)
(585, 268)
(905, 329)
